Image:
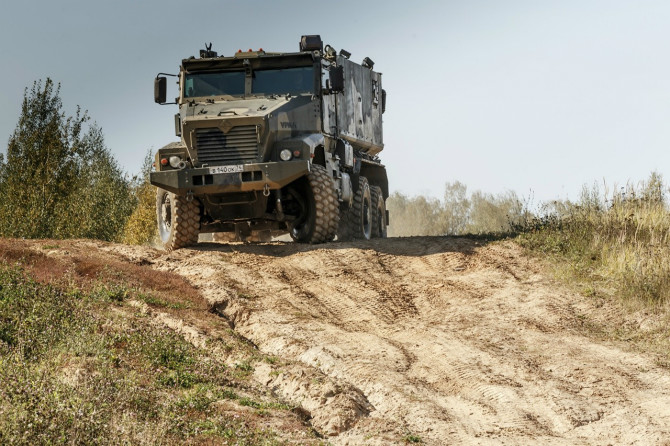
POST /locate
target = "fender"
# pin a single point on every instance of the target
(376, 175)
(310, 145)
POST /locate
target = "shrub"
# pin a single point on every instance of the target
(141, 225)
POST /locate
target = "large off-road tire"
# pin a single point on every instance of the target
(356, 220)
(178, 220)
(378, 212)
(320, 216)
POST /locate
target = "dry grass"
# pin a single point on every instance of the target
(615, 249)
(621, 240)
(86, 269)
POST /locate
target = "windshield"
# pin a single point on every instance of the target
(214, 84)
(293, 80)
(283, 80)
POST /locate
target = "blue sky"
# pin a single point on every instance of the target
(539, 97)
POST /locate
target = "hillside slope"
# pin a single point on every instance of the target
(432, 339)
(442, 339)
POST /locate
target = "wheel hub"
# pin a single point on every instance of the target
(166, 211)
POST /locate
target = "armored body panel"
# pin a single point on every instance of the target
(359, 107)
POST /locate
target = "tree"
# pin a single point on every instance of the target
(493, 213)
(415, 216)
(141, 225)
(59, 180)
(457, 207)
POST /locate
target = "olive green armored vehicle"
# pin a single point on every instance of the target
(273, 143)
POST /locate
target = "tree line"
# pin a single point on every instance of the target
(458, 212)
(59, 180)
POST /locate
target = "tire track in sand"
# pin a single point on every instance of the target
(453, 340)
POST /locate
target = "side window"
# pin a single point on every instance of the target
(325, 75)
(188, 87)
(375, 92)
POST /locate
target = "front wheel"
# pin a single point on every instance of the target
(319, 214)
(178, 220)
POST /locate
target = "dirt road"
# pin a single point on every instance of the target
(439, 340)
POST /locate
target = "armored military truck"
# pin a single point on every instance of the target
(273, 143)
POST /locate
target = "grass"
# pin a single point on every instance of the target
(614, 248)
(622, 242)
(154, 301)
(78, 366)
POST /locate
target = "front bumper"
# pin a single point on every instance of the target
(253, 177)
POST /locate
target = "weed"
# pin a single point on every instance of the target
(264, 405)
(157, 302)
(250, 403)
(412, 438)
(111, 292)
(243, 369)
(228, 394)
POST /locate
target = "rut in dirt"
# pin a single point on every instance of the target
(445, 339)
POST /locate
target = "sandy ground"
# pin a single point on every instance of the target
(446, 340)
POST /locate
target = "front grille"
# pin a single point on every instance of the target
(240, 144)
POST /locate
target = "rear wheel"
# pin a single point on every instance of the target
(318, 216)
(378, 212)
(356, 220)
(178, 220)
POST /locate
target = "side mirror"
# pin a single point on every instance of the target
(383, 101)
(337, 79)
(160, 90)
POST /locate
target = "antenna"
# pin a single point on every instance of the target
(207, 52)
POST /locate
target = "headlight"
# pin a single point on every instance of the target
(175, 162)
(285, 155)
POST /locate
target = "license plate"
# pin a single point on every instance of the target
(227, 169)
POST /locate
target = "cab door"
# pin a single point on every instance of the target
(329, 102)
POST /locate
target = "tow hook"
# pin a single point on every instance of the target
(189, 196)
(266, 190)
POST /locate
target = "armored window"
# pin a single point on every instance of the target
(230, 83)
(283, 80)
